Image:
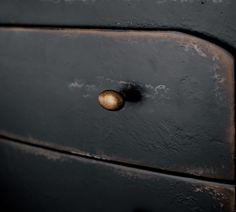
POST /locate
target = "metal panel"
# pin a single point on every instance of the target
(182, 120)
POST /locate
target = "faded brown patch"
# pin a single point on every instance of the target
(223, 195)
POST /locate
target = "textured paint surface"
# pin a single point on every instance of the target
(31, 181)
(182, 120)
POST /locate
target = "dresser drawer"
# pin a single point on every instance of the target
(178, 112)
(214, 18)
(35, 179)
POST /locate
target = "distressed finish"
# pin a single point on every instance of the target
(179, 116)
(211, 18)
(66, 183)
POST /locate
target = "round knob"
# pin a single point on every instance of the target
(111, 100)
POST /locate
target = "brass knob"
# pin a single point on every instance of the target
(111, 100)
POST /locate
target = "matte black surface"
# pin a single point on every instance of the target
(214, 18)
(181, 118)
(34, 179)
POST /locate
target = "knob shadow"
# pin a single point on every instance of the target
(132, 92)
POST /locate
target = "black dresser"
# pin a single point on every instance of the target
(124, 105)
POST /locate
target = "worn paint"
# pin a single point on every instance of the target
(43, 144)
(56, 184)
(167, 127)
(91, 90)
(218, 194)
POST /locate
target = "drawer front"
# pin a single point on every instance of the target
(35, 179)
(178, 117)
(209, 17)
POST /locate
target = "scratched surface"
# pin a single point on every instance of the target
(214, 18)
(181, 122)
(34, 179)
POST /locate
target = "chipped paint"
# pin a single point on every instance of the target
(196, 48)
(88, 89)
(220, 195)
(159, 91)
(219, 79)
(200, 171)
(199, 50)
(76, 84)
